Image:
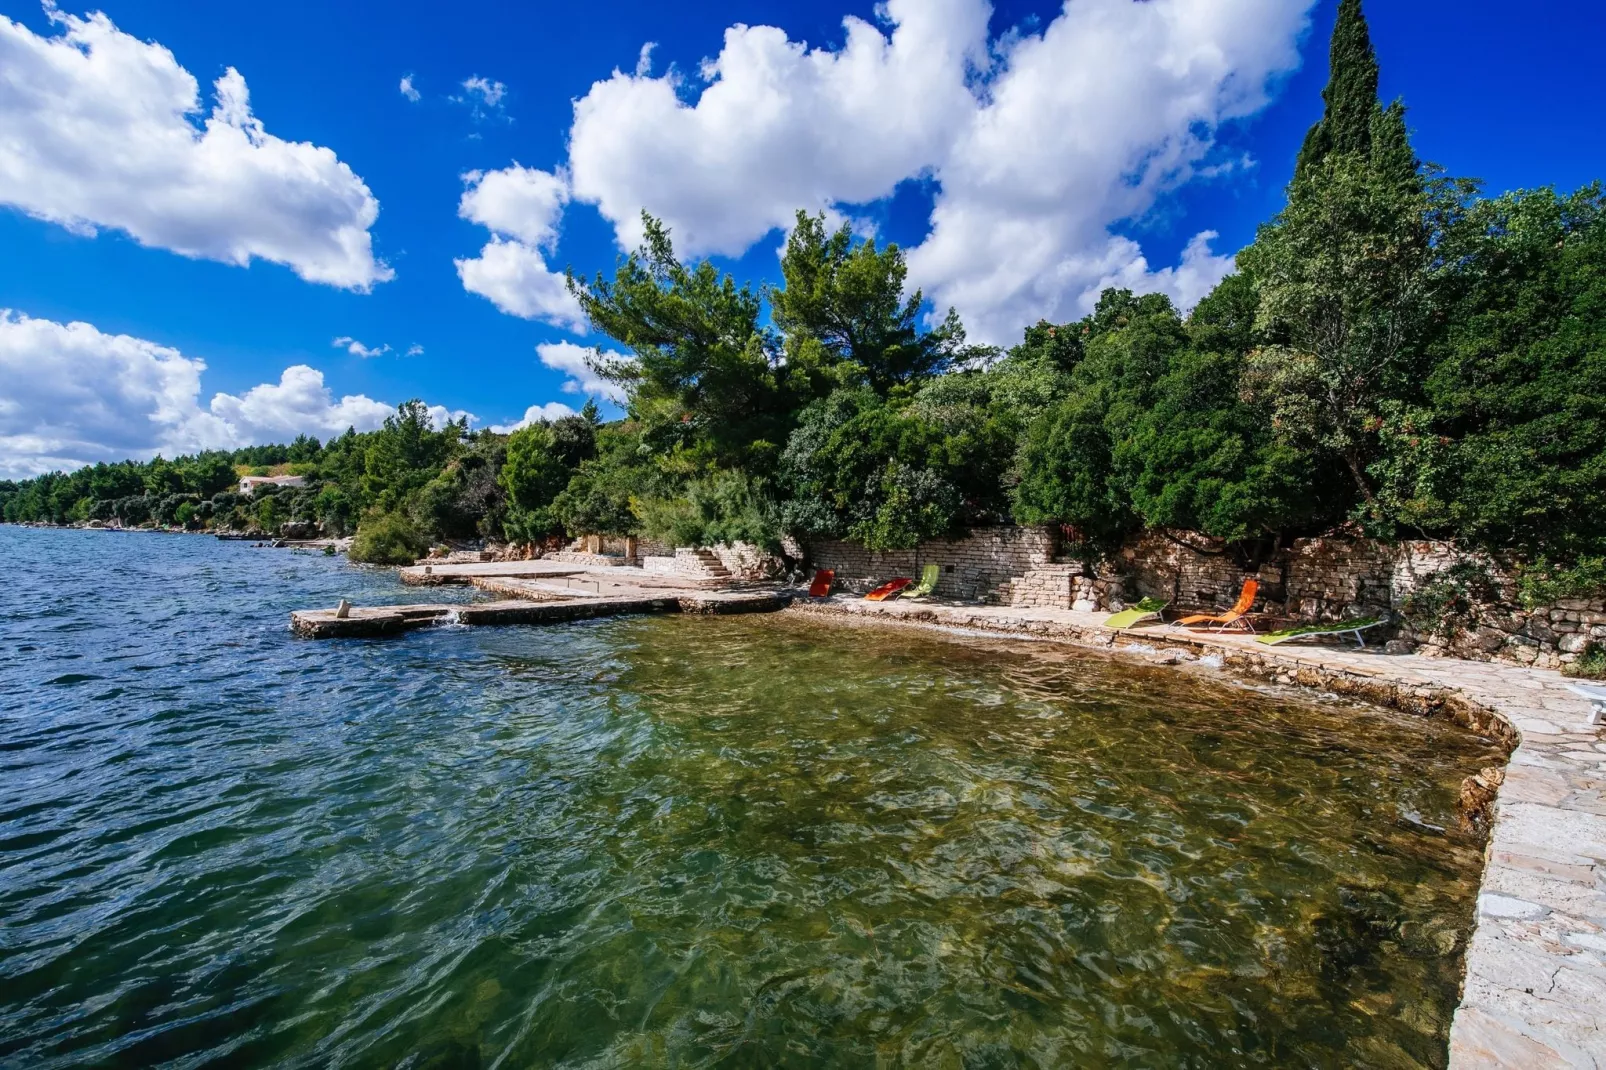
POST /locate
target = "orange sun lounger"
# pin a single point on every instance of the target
(1234, 617)
(889, 590)
(821, 587)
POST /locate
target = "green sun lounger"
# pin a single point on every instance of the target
(1149, 607)
(927, 584)
(1343, 627)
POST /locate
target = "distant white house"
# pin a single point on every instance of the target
(249, 484)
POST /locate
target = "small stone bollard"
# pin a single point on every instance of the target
(429, 570)
(343, 611)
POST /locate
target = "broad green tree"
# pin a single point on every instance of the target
(541, 459)
(405, 454)
(891, 475)
(1508, 447)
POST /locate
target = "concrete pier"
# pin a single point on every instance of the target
(365, 622)
(532, 596)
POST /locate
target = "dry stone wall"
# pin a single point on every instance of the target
(977, 568)
(740, 561)
(1338, 578)
(748, 562)
(1192, 571)
(1328, 578)
(1064, 585)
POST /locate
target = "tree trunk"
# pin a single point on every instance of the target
(1358, 471)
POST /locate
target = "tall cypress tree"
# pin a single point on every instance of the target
(1351, 93)
(1393, 159)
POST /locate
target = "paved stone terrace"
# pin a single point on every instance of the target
(1535, 988)
(618, 577)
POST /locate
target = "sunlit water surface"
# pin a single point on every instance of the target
(683, 842)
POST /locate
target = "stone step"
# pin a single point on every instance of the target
(695, 562)
(712, 563)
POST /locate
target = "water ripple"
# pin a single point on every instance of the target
(744, 842)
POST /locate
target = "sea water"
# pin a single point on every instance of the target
(673, 841)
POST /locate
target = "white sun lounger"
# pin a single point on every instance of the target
(1596, 697)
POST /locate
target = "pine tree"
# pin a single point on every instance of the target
(1351, 93)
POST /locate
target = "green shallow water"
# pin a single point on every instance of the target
(738, 842)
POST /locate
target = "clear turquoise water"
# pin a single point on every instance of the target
(683, 842)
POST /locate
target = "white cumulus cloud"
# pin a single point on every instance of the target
(552, 410)
(71, 395)
(1086, 126)
(779, 126)
(520, 202)
(409, 91)
(521, 206)
(1188, 283)
(573, 361)
(298, 403)
(101, 129)
(1038, 145)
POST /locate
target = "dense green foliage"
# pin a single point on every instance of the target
(540, 461)
(388, 539)
(1541, 583)
(1396, 356)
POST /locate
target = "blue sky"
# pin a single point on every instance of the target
(1511, 100)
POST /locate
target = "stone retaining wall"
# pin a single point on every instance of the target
(1328, 578)
(744, 561)
(975, 568)
(672, 565)
(1063, 585)
(577, 557)
(1337, 578)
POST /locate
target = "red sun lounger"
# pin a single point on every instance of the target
(889, 590)
(821, 587)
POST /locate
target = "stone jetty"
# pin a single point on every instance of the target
(537, 592)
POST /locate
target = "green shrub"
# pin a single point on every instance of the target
(1544, 584)
(1591, 664)
(722, 507)
(1446, 602)
(387, 539)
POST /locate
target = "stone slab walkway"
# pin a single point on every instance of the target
(1534, 994)
(437, 574)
